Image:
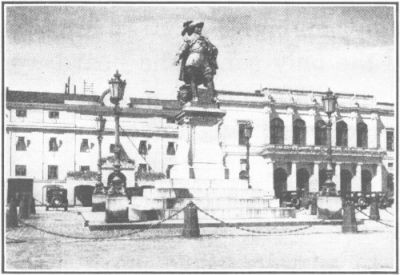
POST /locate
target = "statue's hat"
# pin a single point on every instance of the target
(197, 24)
(186, 26)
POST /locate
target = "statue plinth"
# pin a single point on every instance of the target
(199, 154)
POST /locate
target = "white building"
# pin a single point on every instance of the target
(49, 135)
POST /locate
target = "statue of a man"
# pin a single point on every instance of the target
(198, 57)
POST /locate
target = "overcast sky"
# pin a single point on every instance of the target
(347, 48)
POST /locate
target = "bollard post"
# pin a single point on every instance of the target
(374, 210)
(11, 215)
(24, 206)
(191, 222)
(314, 206)
(349, 218)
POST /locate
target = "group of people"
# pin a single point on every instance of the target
(198, 58)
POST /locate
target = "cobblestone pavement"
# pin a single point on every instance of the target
(314, 248)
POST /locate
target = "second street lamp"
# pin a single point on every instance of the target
(329, 107)
(248, 131)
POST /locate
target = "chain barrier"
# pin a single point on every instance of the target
(369, 217)
(251, 230)
(102, 238)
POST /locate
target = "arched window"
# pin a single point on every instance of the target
(362, 135)
(341, 133)
(299, 132)
(277, 131)
(320, 133)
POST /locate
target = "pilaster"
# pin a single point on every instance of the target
(376, 184)
(310, 128)
(314, 179)
(292, 179)
(373, 131)
(352, 130)
(356, 180)
(288, 120)
(336, 176)
(267, 128)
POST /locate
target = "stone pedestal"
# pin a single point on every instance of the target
(329, 207)
(98, 202)
(117, 209)
(199, 154)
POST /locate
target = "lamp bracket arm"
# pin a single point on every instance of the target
(101, 99)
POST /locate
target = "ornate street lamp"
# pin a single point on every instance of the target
(329, 102)
(117, 202)
(248, 131)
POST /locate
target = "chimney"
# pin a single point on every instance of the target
(74, 89)
(69, 84)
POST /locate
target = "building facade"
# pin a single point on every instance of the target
(49, 135)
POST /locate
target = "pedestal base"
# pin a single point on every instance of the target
(98, 202)
(117, 209)
(204, 171)
(329, 208)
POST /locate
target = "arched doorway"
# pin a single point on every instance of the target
(277, 131)
(299, 132)
(280, 182)
(362, 135)
(366, 178)
(302, 183)
(83, 194)
(341, 133)
(345, 181)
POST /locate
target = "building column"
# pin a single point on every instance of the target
(269, 173)
(376, 184)
(356, 180)
(292, 179)
(267, 131)
(310, 128)
(333, 132)
(373, 131)
(288, 120)
(314, 179)
(352, 130)
(336, 176)
(383, 139)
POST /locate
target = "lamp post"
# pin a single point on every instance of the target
(101, 123)
(248, 131)
(98, 197)
(329, 102)
(117, 202)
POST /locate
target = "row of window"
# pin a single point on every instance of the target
(277, 133)
(52, 114)
(52, 171)
(85, 147)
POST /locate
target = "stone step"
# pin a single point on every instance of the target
(200, 183)
(222, 214)
(143, 203)
(203, 192)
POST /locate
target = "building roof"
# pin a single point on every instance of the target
(45, 97)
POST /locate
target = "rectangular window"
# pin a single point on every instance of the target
(21, 146)
(171, 148)
(53, 147)
(85, 145)
(52, 172)
(143, 147)
(243, 163)
(20, 170)
(389, 140)
(85, 168)
(112, 146)
(21, 113)
(390, 164)
(170, 120)
(54, 114)
(242, 137)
